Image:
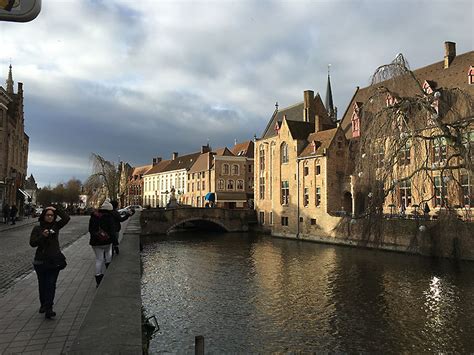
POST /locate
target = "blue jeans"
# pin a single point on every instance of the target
(47, 285)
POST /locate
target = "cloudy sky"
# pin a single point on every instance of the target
(132, 80)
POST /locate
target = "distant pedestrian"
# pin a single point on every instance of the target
(426, 210)
(102, 230)
(402, 210)
(118, 219)
(48, 259)
(13, 212)
(6, 213)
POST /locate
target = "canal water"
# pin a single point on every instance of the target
(248, 293)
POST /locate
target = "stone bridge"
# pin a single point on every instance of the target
(162, 221)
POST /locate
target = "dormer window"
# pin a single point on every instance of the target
(390, 100)
(427, 87)
(470, 76)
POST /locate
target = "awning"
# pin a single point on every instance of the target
(231, 197)
(210, 196)
(24, 193)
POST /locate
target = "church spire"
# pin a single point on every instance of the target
(328, 102)
(9, 81)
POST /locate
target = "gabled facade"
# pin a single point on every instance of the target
(151, 180)
(14, 143)
(173, 176)
(454, 189)
(300, 170)
(226, 174)
(135, 185)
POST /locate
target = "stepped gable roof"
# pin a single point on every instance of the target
(158, 167)
(295, 113)
(300, 130)
(141, 170)
(322, 139)
(219, 151)
(244, 149)
(182, 162)
(403, 86)
(202, 163)
(30, 183)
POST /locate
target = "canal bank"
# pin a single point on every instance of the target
(113, 323)
(445, 237)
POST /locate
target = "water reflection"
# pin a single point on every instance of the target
(250, 294)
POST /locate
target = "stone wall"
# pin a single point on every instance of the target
(444, 237)
(160, 221)
(113, 324)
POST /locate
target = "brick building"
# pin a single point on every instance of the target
(439, 185)
(300, 169)
(226, 174)
(136, 185)
(14, 143)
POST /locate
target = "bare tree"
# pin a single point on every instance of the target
(413, 135)
(104, 174)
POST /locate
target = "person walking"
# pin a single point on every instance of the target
(102, 230)
(49, 259)
(426, 211)
(13, 212)
(6, 213)
(118, 219)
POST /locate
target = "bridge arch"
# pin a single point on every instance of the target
(162, 221)
(196, 219)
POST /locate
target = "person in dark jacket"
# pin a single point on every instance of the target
(102, 230)
(118, 219)
(13, 212)
(48, 259)
(6, 213)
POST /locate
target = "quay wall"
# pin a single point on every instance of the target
(444, 237)
(113, 324)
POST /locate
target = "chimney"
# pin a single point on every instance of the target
(449, 53)
(205, 149)
(318, 126)
(156, 160)
(175, 155)
(308, 114)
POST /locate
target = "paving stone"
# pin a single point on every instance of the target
(14, 350)
(35, 341)
(37, 347)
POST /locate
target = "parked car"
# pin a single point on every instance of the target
(38, 211)
(135, 207)
(124, 211)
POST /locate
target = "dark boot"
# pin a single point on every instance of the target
(98, 279)
(49, 313)
(42, 309)
(107, 265)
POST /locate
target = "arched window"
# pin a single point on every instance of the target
(261, 157)
(225, 169)
(220, 184)
(240, 185)
(235, 169)
(230, 184)
(284, 153)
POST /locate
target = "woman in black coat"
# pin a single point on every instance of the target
(48, 259)
(102, 231)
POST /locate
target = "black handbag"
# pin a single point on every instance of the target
(57, 261)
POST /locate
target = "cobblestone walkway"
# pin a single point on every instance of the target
(23, 330)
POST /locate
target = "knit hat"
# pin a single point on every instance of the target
(107, 206)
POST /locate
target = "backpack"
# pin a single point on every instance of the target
(101, 235)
